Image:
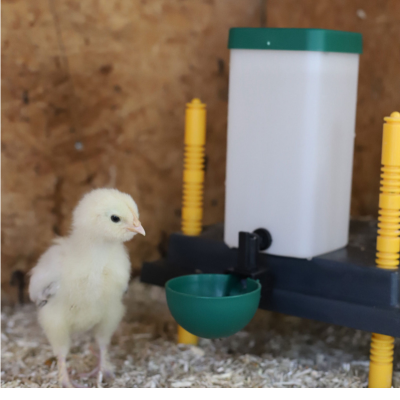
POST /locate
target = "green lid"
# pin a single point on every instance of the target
(295, 39)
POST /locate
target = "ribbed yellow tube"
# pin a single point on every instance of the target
(193, 181)
(381, 361)
(193, 168)
(388, 243)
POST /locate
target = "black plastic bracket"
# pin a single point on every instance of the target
(249, 246)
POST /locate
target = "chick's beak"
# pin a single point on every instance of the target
(137, 229)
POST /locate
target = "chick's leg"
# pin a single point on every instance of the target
(105, 367)
(103, 333)
(57, 333)
(102, 359)
(60, 342)
(63, 376)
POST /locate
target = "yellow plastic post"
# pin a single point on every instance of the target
(387, 244)
(186, 337)
(193, 181)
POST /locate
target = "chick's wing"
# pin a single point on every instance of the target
(45, 277)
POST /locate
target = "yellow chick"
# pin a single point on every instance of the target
(79, 281)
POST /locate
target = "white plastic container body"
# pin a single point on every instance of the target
(291, 129)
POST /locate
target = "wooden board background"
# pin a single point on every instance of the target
(93, 94)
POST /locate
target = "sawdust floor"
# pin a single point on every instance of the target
(273, 351)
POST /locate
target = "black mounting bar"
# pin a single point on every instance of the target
(342, 287)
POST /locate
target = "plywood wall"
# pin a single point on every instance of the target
(93, 94)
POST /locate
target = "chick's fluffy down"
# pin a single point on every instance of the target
(80, 280)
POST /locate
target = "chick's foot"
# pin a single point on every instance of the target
(66, 383)
(91, 373)
(108, 373)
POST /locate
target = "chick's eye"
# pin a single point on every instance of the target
(115, 219)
